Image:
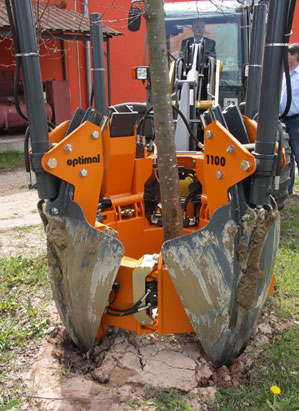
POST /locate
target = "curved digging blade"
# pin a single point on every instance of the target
(222, 275)
(83, 265)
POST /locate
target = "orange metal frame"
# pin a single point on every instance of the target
(111, 170)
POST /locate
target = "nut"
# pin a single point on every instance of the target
(245, 165)
(54, 211)
(83, 172)
(68, 148)
(95, 134)
(52, 163)
(209, 134)
(219, 174)
(231, 149)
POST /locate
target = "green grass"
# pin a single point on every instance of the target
(23, 316)
(287, 262)
(24, 296)
(10, 160)
(165, 401)
(278, 365)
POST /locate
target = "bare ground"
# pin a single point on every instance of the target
(124, 370)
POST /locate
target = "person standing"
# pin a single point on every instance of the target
(198, 28)
(291, 120)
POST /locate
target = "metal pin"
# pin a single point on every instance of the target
(219, 175)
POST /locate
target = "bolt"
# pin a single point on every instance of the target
(52, 163)
(83, 172)
(245, 165)
(219, 174)
(95, 134)
(230, 149)
(54, 211)
(68, 148)
(209, 134)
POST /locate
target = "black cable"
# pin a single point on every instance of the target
(124, 314)
(279, 155)
(120, 314)
(91, 97)
(140, 123)
(288, 84)
(146, 115)
(176, 110)
(135, 306)
(50, 124)
(186, 123)
(196, 190)
(26, 148)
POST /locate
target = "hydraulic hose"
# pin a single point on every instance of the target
(22, 26)
(146, 115)
(261, 183)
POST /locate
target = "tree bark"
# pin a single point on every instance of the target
(164, 129)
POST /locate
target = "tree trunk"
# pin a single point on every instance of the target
(164, 129)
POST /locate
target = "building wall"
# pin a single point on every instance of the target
(127, 51)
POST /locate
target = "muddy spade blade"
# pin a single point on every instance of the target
(222, 274)
(83, 265)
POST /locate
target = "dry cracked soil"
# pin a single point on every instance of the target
(124, 370)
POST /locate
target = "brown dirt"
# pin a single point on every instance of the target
(18, 209)
(248, 284)
(124, 370)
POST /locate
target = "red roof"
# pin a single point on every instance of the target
(57, 21)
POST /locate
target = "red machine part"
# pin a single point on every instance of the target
(9, 117)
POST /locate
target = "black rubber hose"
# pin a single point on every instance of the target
(124, 310)
(50, 124)
(186, 123)
(140, 123)
(197, 190)
(288, 84)
(122, 314)
(176, 110)
(26, 148)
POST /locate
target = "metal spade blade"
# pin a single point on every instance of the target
(222, 274)
(83, 265)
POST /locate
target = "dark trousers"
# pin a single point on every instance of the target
(292, 126)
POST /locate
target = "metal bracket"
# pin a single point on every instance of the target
(139, 285)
